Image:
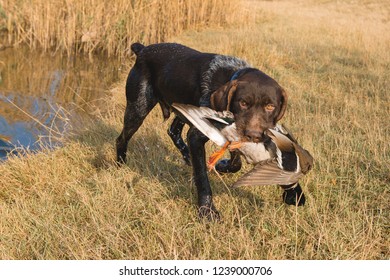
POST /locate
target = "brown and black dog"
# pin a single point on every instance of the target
(171, 73)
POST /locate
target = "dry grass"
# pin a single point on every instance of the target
(73, 203)
(109, 26)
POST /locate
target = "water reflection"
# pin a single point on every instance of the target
(40, 92)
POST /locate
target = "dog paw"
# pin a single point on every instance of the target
(226, 166)
(209, 213)
(120, 162)
(207, 210)
(294, 196)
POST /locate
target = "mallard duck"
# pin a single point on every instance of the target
(278, 161)
(289, 163)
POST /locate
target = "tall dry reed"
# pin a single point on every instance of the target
(109, 26)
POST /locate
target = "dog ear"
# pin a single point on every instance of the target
(283, 105)
(221, 98)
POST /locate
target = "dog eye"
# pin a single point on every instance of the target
(269, 107)
(244, 104)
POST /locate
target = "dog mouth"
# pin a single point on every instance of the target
(253, 133)
(255, 137)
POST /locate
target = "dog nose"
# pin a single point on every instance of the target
(254, 135)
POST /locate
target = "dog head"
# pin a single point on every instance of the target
(257, 102)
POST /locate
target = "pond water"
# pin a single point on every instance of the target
(41, 95)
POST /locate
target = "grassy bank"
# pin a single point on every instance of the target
(91, 25)
(331, 56)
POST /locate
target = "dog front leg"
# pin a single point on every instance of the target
(196, 141)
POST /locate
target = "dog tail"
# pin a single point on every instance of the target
(137, 48)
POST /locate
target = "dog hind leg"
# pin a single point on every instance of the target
(174, 132)
(140, 101)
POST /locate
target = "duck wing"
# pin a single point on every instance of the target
(198, 116)
(224, 117)
(305, 158)
(286, 142)
(268, 173)
(281, 140)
